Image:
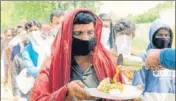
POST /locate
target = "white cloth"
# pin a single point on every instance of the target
(123, 43)
(14, 41)
(23, 82)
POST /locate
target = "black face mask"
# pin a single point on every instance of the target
(82, 47)
(161, 42)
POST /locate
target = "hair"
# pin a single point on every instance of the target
(84, 18)
(105, 17)
(124, 24)
(56, 13)
(11, 31)
(166, 28)
(19, 26)
(31, 23)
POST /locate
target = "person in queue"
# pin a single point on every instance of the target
(151, 81)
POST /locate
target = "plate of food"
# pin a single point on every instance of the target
(108, 89)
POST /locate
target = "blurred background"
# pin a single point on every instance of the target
(142, 13)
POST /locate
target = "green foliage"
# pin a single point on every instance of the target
(14, 11)
(152, 13)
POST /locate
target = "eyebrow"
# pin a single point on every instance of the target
(82, 30)
(163, 33)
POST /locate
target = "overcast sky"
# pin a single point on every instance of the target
(123, 8)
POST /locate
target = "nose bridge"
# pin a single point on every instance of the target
(163, 36)
(85, 36)
(160, 36)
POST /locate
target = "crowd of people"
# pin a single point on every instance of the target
(54, 62)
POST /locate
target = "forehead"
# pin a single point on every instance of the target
(58, 17)
(34, 27)
(163, 31)
(83, 27)
(19, 29)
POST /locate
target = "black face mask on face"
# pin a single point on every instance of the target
(161, 42)
(82, 47)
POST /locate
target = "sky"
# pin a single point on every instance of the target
(168, 16)
(123, 8)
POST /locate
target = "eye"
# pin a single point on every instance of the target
(166, 35)
(90, 32)
(161, 35)
(77, 33)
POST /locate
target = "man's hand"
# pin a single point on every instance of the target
(152, 60)
(76, 90)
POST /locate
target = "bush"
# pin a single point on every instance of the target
(152, 13)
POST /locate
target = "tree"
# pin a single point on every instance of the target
(152, 13)
(14, 11)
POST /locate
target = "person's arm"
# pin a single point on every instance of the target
(8, 56)
(167, 58)
(32, 70)
(139, 77)
(15, 71)
(164, 58)
(9, 62)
